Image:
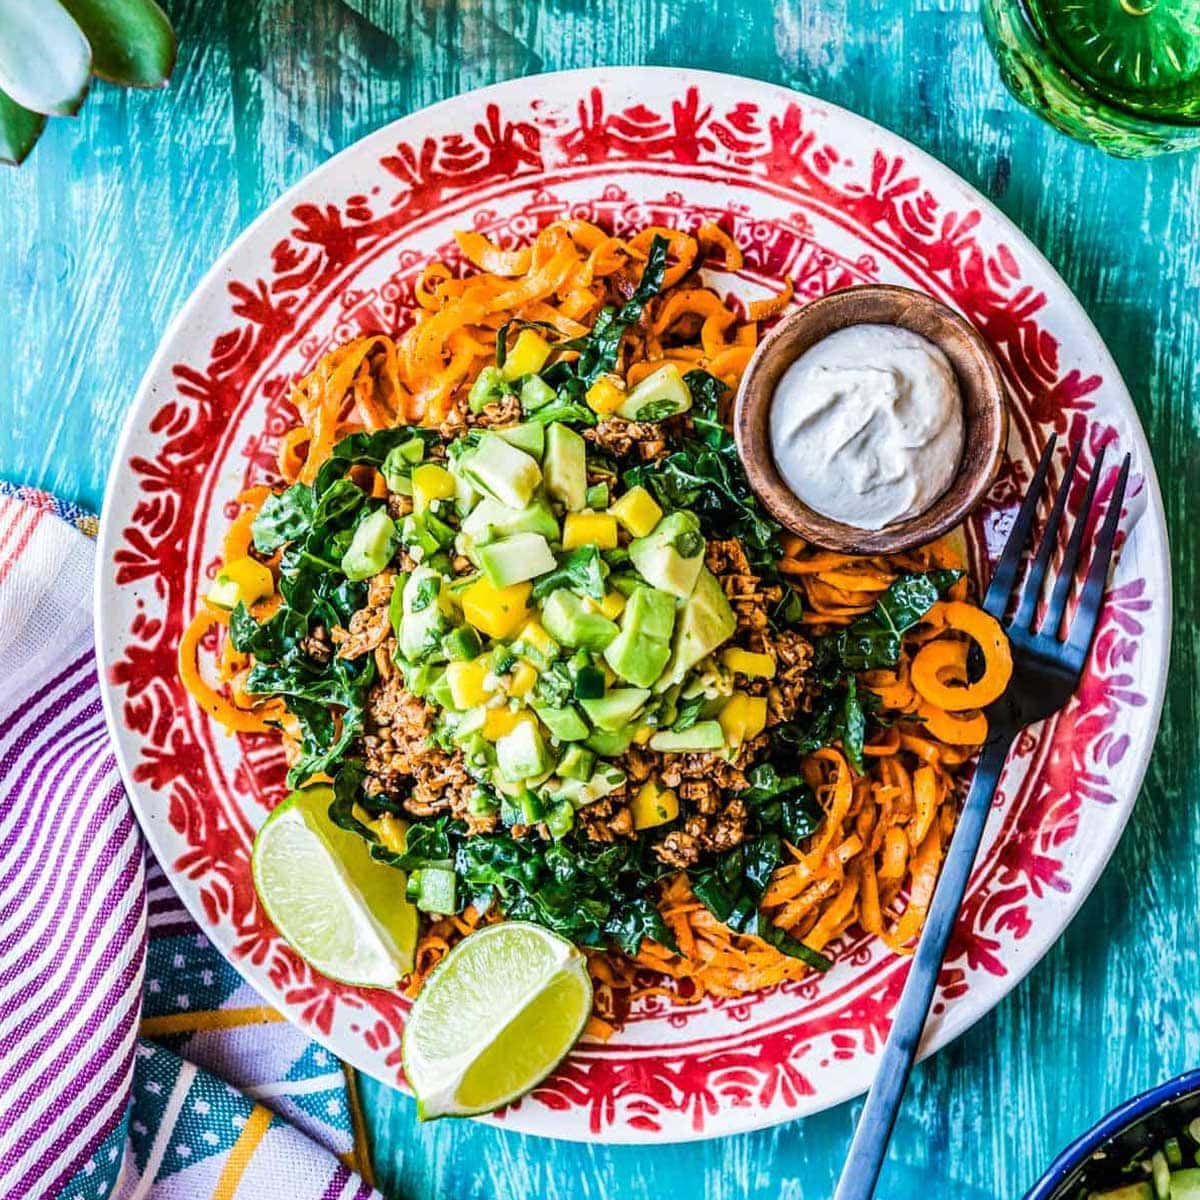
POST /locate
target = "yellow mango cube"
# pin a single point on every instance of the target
(498, 612)
(642, 734)
(391, 832)
(527, 356)
(243, 581)
(605, 396)
(522, 679)
(653, 805)
(612, 606)
(589, 529)
(536, 642)
(467, 682)
(430, 482)
(743, 717)
(637, 510)
(499, 722)
(749, 663)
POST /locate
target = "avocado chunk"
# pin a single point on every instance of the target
(522, 754)
(660, 395)
(1185, 1184)
(704, 735)
(516, 558)
(636, 657)
(502, 471)
(372, 546)
(576, 763)
(530, 437)
(705, 622)
(614, 710)
(422, 617)
(490, 519)
(603, 782)
(670, 557)
(651, 612)
(565, 467)
(432, 890)
(564, 723)
(607, 744)
(568, 622)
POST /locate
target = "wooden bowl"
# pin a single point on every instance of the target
(985, 413)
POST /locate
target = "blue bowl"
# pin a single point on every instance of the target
(1095, 1160)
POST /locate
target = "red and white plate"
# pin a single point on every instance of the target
(810, 191)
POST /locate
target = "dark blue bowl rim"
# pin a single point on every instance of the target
(1080, 1150)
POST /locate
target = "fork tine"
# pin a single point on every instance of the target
(1084, 624)
(1066, 571)
(1037, 572)
(999, 590)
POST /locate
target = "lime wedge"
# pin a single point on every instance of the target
(344, 913)
(495, 1019)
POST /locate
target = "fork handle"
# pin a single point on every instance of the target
(869, 1147)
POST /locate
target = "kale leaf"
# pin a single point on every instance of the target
(580, 569)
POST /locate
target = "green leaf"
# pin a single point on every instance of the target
(132, 41)
(580, 569)
(19, 130)
(45, 59)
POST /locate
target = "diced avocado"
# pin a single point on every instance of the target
(489, 386)
(372, 546)
(576, 763)
(704, 735)
(462, 644)
(607, 744)
(660, 395)
(616, 709)
(1185, 1184)
(535, 644)
(423, 619)
(651, 612)
(398, 465)
(516, 558)
(439, 692)
(530, 437)
(671, 555)
(567, 621)
(432, 890)
(565, 467)
(502, 471)
(564, 723)
(605, 780)
(470, 724)
(490, 519)
(560, 819)
(597, 496)
(522, 754)
(535, 393)
(705, 622)
(636, 657)
(625, 582)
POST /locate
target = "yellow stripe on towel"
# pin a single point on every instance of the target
(200, 1022)
(243, 1150)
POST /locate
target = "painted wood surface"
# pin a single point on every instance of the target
(119, 213)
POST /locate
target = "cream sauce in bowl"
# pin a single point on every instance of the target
(867, 425)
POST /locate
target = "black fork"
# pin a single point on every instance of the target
(1047, 667)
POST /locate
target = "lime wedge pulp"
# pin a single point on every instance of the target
(344, 913)
(494, 1019)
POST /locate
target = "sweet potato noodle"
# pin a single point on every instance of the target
(873, 862)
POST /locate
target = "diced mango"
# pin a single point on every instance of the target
(589, 529)
(537, 643)
(749, 663)
(245, 581)
(466, 681)
(653, 805)
(430, 482)
(498, 612)
(743, 717)
(637, 510)
(391, 832)
(611, 606)
(499, 722)
(522, 679)
(527, 356)
(605, 396)
(642, 734)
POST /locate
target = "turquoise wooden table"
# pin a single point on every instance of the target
(117, 215)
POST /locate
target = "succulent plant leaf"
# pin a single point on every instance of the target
(132, 41)
(19, 130)
(45, 59)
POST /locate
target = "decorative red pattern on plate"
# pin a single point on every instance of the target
(809, 192)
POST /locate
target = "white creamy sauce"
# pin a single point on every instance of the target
(867, 425)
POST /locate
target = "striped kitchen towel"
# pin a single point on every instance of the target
(134, 1060)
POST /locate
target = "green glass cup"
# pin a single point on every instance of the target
(1123, 75)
